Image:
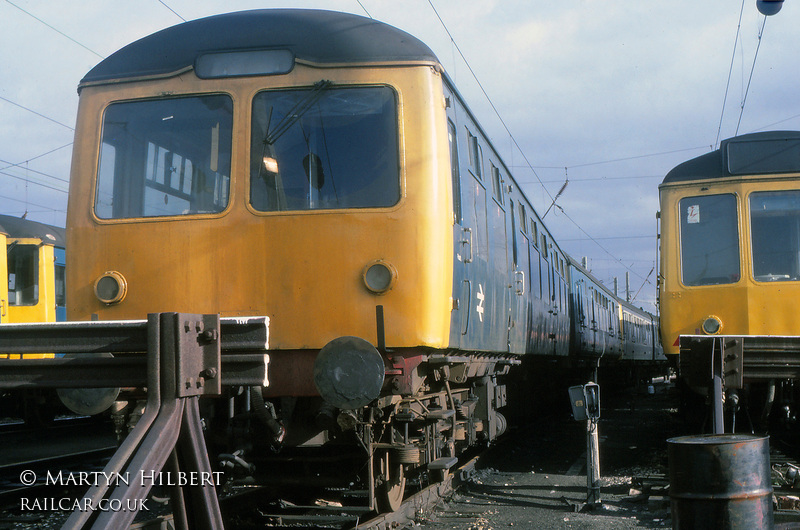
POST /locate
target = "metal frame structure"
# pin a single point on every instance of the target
(180, 358)
(724, 362)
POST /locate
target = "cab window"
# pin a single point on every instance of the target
(709, 240)
(165, 157)
(775, 235)
(324, 148)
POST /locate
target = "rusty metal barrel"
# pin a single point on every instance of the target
(720, 481)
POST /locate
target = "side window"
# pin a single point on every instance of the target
(454, 171)
(513, 233)
(523, 218)
(60, 285)
(536, 273)
(535, 233)
(23, 274)
(496, 185)
(475, 154)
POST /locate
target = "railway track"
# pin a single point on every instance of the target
(522, 473)
(34, 503)
(414, 508)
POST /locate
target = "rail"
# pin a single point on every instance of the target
(179, 358)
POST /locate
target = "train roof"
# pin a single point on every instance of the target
(17, 227)
(316, 36)
(757, 153)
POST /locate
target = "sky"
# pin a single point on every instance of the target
(609, 94)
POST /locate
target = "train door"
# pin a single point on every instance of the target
(3, 283)
(561, 346)
(554, 309)
(478, 286)
(24, 261)
(591, 318)
(519, 280)
(548, 327)
(470, 322)
(577, 313)
(462, 242)
(479, 278)
(60, 284)
(535, 297)
(499, 261)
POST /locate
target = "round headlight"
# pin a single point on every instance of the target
(379, 276)
(111, 287)
(711, 325)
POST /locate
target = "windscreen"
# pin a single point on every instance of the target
(165, 157)
(775, 235)
(709, 240)
(324, 148)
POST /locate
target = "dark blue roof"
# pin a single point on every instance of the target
(716, 164)
(17, 227)
(322, 37)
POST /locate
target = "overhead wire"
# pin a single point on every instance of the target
(27, 180)
(27, 169)
(777, 122)
(491, 103)
(593, 179)
(37, 113)
(513, 139)
(596, 242)
(9, 165)
(173, 11)
(750, 79)
(13, 164)
(563, 240)
(47, 208)
(55, 29)
(624, 159)
(730, 72)
(364, 8)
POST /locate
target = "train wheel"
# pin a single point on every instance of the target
(391, 484)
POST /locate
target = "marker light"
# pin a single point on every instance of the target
(379, 276)
(111, 287)
(711, 325)
(270, 164)
(244, 63)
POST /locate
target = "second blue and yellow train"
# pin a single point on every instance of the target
(32, 289)
(730, 276)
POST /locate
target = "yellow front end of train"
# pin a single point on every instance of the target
(230, 221)
(730, 257)
(33, 274)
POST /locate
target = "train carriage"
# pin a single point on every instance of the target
(319, 168)
(32, 289)
(730, 263)
(289, 163)
(639, 334)
(595, 317)
(730, 245)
